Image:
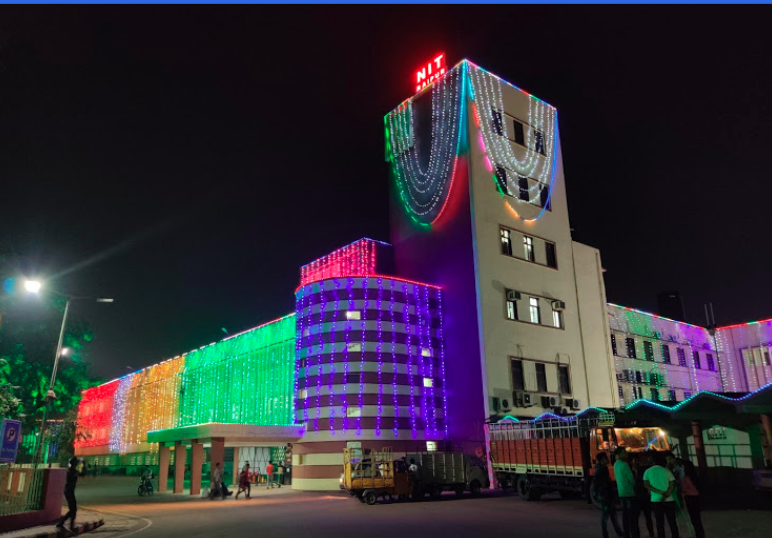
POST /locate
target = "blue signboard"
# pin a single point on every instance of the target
(11, 432)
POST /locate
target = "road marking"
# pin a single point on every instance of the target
(147, 521)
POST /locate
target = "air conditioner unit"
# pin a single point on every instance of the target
(550, 401)
(558, 305)
(523, 399)
(575, 404)
(513, 295)
(501, 400)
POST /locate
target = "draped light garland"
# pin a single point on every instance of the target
(425, 189)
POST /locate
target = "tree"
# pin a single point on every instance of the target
(28, 338)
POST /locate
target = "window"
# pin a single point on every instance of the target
(544, 198)
(564, 380)
(681, 356)
(431, 446)
(354, 346)
(519, 133)
(630, 346)
(302, 394)
(501, 177)
(696, 357)
(552, 258)
(506, 243)
(654, 395)
(535, 312)
(498, 124)
(666, 353)
(528, 248)
(511, 308)
(541, 377)
(711, 362)
(687, 395)
(648, 350)
(557, 319)
(614, 345)
(671, 395)
(353, 411)
(637, 394)
(766, 357)
(518, 379)
(621, 392)
(353, 314)
(639, 376)
(538, 142)
(428, 382)
(522, 185)
(426, 352)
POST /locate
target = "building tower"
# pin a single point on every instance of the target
(370, 369)
(479, 208)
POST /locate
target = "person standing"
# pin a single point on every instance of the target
(269, 474)
(626, 490)
(69, 494)
(644, 497)
(686, 478)
(662, 485)
(603, 493)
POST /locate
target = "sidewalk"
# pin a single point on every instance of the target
(86, 521)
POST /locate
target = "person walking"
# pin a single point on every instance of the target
(603, 493)
(269, 474)
(644, 497)
(662, 485)
(69, 494)
(244, 483)
(626, 490)
(217, 488)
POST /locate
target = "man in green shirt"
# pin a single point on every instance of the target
(626, 491)
(662, 484)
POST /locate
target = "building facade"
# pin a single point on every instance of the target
(482, 306)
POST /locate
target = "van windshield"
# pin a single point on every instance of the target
(639, 439)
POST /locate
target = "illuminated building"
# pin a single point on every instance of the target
(482, 306)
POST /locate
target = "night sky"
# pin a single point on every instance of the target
(188, 161)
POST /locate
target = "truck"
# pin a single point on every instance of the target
(448, 471)
(370, 475)
(557, 453)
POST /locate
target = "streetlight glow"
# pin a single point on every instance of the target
(32, 286)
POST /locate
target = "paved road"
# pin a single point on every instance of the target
(283, 512)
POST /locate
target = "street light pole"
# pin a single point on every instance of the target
(33, 286)
(51, 395)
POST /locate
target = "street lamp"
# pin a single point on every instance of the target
(35, 286)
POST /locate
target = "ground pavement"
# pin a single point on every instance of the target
(283, 512)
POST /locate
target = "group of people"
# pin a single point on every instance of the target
(666, 486)
(219, 489)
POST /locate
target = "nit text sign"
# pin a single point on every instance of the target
(430, 72)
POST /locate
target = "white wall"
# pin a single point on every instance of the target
(502, 338)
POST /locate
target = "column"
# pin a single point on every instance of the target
(196, 462)
(236, 468)
(766, 437)
(180, 455)
(217, 455)
(164, 456)
(699, 447)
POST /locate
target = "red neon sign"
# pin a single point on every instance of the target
(430, 72)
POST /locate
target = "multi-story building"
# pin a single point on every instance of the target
(482, 306)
